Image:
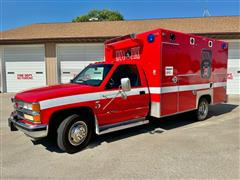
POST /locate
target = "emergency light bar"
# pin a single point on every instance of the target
(121, 38)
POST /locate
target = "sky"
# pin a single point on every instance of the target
(16, 13)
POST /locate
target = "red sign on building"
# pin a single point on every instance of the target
(24, 76)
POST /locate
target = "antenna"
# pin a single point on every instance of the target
(206, 12)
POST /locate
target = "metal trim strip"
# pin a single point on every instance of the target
(121, 125)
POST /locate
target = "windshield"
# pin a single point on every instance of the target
(93, 74)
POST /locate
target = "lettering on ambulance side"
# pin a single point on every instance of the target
(128, 54)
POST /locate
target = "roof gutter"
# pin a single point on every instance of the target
(226, 35)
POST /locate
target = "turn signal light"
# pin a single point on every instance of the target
(36, 119)
(36, 107)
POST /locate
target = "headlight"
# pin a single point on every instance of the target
(27, 106)
(30, 111)
(31, 106)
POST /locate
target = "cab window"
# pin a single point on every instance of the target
(124, 71)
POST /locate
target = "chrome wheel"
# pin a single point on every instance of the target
(202, 111)
(77, 133)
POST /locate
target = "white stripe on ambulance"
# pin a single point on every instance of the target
(110, 94)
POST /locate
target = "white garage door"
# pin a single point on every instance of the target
(1, 76)
(233, 81)
(73, 58)
(25, 67)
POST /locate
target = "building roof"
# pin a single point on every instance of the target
(201, 25)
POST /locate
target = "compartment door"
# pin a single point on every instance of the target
(169, 88)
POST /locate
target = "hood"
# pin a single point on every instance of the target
(56, 91)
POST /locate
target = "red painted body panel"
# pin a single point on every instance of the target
(187, 101)
(56, 91)
(185, 58)
(119, 110)
(169, 103)
(219, 95)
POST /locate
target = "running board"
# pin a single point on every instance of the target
(119, 126)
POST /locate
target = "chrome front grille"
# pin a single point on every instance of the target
(20, 115)
(19, 108)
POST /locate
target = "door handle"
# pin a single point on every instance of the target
(211, 84)
(174, 79)
(142, 92)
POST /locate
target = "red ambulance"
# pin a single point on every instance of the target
(152, 74)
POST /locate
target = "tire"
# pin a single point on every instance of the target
(202, 110)
(74, 134)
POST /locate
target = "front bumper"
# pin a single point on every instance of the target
(34, 131)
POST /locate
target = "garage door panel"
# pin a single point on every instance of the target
(233, 82)
(1, 75)
(74, 58)
(25, 68)
(24, 75)
(72, 68)
(17, 54)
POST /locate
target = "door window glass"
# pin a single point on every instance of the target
(124, 71)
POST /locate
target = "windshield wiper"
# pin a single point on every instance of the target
(83, 82)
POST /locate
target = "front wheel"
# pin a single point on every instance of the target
(202, 110)
(74, 134)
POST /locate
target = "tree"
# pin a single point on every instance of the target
(99, 15)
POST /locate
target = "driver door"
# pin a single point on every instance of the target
(124, 109)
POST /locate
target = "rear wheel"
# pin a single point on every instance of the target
(202, 110)
(74, 134)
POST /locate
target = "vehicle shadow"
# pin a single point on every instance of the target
(49, 143)
(156, 126)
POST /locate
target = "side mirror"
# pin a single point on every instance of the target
(125, 84)
(71, 80)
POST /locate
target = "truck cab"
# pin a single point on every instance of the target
(108, 96)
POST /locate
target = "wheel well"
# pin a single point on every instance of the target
(58, 116)
(207, 97)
